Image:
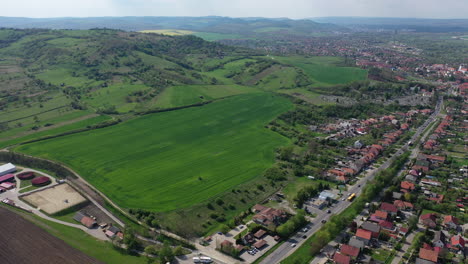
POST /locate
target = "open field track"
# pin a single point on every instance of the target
(175, 159)
(22, 242)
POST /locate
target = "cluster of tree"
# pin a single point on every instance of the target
(165, 253)
(292, 225)
(308, 192)
(32, 162)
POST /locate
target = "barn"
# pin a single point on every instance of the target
(40, 181)
(7, 168)
(28, 175)
(7, 178)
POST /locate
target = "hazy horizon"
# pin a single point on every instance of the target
(293, 9)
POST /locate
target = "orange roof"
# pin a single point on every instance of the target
(407, 185)
(426, 254)
(349, 250)
(381, 214)
(364, 234)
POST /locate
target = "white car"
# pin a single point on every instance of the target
(293, 245)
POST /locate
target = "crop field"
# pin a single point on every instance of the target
(174, 159)
(24, 242)
(170, 32)
(23, 135)
(191, 94)
(306, 95)
(324, 70)
(211, 36)
(55, 199)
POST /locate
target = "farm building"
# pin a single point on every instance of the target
(40, 181)
(7, 168)
(85, 220)
(7, 178)
(28, 175)
(7, 185)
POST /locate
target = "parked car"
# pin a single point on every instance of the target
(324, 221)
(293, 245)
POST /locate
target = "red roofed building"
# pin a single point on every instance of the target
(381, 215)
(350, 251)
(387, 225)
(336, 172)
(427, 254)
(364, 235)
(408, 186)
(450, 222)
(268, 216)
(389, 208)
(457, 242)
(429, 220)
(341, 259)
(402, 205)
(435, 159)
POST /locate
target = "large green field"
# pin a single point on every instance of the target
(175, 159)
(325, 70)
(192, 94)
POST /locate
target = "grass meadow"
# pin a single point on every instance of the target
(175, 159)
(325, 70)
(191, 94)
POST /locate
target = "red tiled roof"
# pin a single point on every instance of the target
(407, 185)
(260, 233)
(381, 214)
(449, 218)
(457, 240)
(349, 250)
(428, 216)
(341, 259)
(364, 234)
(386, 224)
(388, 207)
(428, 254)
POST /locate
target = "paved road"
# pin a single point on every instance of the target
(288, 247)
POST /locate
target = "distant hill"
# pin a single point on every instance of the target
(413, 24)
(211, 24)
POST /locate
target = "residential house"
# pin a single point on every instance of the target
(427, 254)
(260, 244)
(341, 259)
(423, 261)
(411, 178)
(429, 220)
(269, 216)
(397, 195)
(439, 239)
(364, 235)
(260, 233)
(402, 205)
(351, 251)
(381, 215)
(430, 182)
(407, 186)
(457, 243)
(372, 227)
(389, 208)
(354, 242)
(387, 226)
(450, 222)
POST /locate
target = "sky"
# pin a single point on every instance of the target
(295, 9)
